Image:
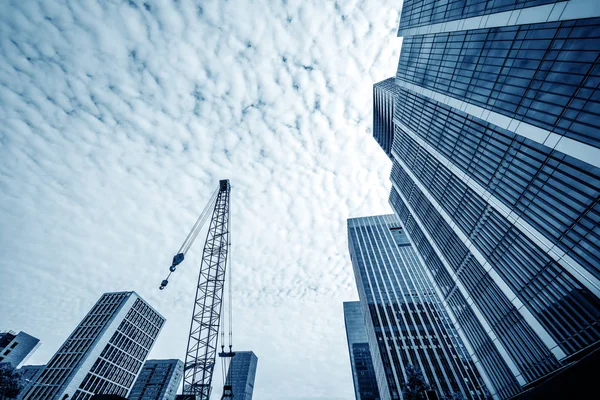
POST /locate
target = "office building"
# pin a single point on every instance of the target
(158, 380)
(496, 174)
(29, 374)
(16, 348)
(241, 374)
(384, 96)
(104, 354)
(363, 373)
(405, 319)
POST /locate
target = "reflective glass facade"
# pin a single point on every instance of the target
(496, 174)
(158, 380)
(424, 12)
(544, 74)
(361, 363)
(241, 374)
(384, 96)
(405, 318)
(104, 354)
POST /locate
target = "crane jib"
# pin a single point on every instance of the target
(206, 318)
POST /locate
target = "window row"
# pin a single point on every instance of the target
(498, 371)
(557, 194)
(426, 12)
(527, 350)
(544, 74)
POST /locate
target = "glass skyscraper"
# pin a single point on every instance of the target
(104, 354)
(158, 380)
(16, 348)
(361, 363)
(241, 374)
(496, 174)
(405, 320)
(384, 97)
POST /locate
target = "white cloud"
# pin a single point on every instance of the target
(118, 119)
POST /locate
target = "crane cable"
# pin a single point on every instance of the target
(189, 240)
(187, 243)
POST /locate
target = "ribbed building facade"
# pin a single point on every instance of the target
(405, 320)
(361, 363)
(104, 354)
(16, 348)
(384, 96)
(496, 174)
(158, 380)
(29, 374)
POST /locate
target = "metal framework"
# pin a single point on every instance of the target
(202, 342)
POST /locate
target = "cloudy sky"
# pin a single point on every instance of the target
(118, 118)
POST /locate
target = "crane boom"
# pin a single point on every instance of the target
(201, 352)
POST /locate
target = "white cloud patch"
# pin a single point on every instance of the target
(118, 118)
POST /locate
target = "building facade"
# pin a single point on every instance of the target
(16, 348)
(158, 380)
(29, 374)
(104, 354)
(405, 319)
(384, 97)
(496, 175)
(361, 363)
(241, 374)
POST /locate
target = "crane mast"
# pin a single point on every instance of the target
(204, 329)
(201, 351)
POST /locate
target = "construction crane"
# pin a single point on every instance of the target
(201, 351)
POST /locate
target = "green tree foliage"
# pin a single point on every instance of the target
(10, 381)
(415, 386)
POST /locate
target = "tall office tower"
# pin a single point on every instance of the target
(363, 373)
(158, 380)
(405, 319)
(16, 348)
(104, 354)
(384, 96)
(29, 374)
(496, 174)
(241, 374)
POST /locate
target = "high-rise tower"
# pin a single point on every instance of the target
(158, 380)
(16, 348)
(496, 174)
(361, 363)
(104, 354)
(384, 97)
(405, 318)
(241, 374)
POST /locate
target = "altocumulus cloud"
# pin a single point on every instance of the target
(117, 119)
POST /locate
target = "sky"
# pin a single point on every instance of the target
(117, 120)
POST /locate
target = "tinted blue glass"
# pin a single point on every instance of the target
(544, 74)
(424, 12)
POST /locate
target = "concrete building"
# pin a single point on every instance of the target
(104, 354)
(361, 363)
(16, 348)
(158, 380)
(496, 175)
(405, 320)
(29, 374)
(241, 374)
